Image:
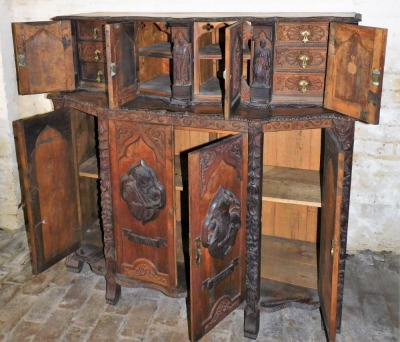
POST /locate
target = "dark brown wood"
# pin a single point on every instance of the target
(44, 56)
(329, 249)
(233, 68)
(302, 33)
(141, 162)
(356, 57)
(48, 174)
(122, 63)
(217, 211)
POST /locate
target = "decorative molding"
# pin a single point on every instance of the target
(296, 125)
(145, 270)
(223, 306)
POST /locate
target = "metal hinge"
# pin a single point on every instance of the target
(332, 246)
(21, 60)
(113, 69)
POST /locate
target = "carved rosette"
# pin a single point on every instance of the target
(344, 131)
(222, 223)
(230, 153)
(142, 192)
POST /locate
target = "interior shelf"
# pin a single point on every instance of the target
(160, 85)
(212, 51)
(162, 50)
(89, 168)
(288, 185)
(211, 87)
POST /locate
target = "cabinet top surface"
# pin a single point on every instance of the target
(196, 16)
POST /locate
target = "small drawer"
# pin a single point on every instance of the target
(92, 52)
(302, 33)
(91, 30)
(298, 84)
(299, 59)
(94, 72)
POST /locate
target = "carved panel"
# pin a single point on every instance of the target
(298, 84)
(223, 305)
(262, 61)
(221, 223)
(230, 153)
(299, 59)
(145, 270)
(91, 30)
(142, 192)
(92, 52)
(182, 58)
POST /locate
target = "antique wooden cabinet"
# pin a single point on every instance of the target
(200, 156)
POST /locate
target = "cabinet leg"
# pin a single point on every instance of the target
(72, 264)
(113, 291)
(251, 322)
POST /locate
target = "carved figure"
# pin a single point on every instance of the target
(262, 64)
(142, 192)
(221, 224)
(181, 61)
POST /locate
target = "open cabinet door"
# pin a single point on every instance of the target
(44, 56)
(217, 220)
(49, 186)
(356, 57)
(329, 253)
(233, 67)
(122, 63)
(141, 159)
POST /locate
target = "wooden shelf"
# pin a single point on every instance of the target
(211, 87)
(162, 50)
(160, 85)
(89, 168)
(214, 51)
(295, 186)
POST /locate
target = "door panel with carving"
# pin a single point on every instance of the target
(217, 211)
(142, 190)
(356, 57)
(44, 56)
(329, 253)
(49, 186)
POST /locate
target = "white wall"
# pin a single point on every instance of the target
(375, 199)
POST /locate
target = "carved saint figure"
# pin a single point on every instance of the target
(181, 61)
(221, 224)
(142, 192)
(262, 64)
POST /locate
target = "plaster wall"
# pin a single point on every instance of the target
(375, 199)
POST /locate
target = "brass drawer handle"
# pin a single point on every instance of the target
(99, 77)
(304, 61)
(303, 86)
(95, 32)
(305, 35)
(97, 55)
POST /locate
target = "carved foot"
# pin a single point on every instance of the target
(251, 323)
(113, 292)
(72, 264)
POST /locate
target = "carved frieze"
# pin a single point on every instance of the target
(222, 223)
(142, 192)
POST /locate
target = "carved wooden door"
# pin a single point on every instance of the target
(49, 186)
(122, 62)
(142, 189)
(44, 56)
(329, 253)
(233, 67)
(356, 57)
(217, 211)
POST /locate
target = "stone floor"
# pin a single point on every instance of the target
(61, 306)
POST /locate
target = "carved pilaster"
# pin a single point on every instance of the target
(253, 233)
(113, 290)
(344, 131)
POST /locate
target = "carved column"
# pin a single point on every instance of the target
(113, 290)
(344, 131)
(253, 232)
(182, 54)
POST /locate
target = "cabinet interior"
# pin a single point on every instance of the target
(155, 58)
(290, 209)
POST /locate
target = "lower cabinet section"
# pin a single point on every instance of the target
(219, 215)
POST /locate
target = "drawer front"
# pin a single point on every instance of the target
(299, 84)
(91, 30)
(300, 59)
(303, 33)
(94, 72)
(92, 52)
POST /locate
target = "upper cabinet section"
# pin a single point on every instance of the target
(257, 60)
